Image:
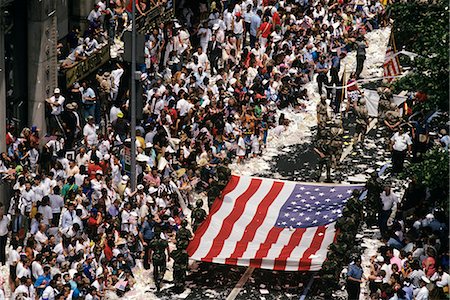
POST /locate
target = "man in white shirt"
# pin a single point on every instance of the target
(389, 200)
(68, 216)
(28, 198)
(56, 204)
(115, 81)
(56, 103)
(49, 291)
(183, 107)
(203, 60)
(400, 146)
(46, 210)
(90, 132)
(40, 237)
(82, 158)
(204, 34)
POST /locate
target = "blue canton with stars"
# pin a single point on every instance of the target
(313, 205)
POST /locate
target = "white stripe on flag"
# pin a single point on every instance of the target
(239, 226)
(275, 250)
(217, 220)
(319, 257)
(269, 221)
(294, 259)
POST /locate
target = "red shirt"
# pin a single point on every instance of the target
(92, 169)
(265, 29)
(130, 9)
(108, 252)
(276, 19)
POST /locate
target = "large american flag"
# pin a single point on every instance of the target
(271, 224)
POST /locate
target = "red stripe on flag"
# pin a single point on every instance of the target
(296, 237)
(195, 243)
(230, 220)
(255, 223)
(305, 261)
(264, 248)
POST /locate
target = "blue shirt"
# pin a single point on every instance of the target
(147, 230)
(355, 271)
(41, 279)
(255, 22)
(336, 62)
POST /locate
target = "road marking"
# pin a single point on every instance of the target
(349, 149)
(238, 287)
(308, 287)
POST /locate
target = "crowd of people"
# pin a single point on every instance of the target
(413, 261)
(212, 85)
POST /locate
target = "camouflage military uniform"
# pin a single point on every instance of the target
(373, 201)
(385, 101)
(159, 258)
(184, 235)
(336, 143)
(362, 121)
(323, 145)
(322, 114)
(180, 266)
(392, 122)
(198, 215)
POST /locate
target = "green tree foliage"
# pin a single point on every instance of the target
(433, 172)
(423, 28)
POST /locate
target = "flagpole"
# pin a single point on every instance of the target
(344, 91)
(133, 97)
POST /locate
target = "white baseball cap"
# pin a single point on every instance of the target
(57, 91)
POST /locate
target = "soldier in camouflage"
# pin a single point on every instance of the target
(323, 149)
(184, 235)
(158, 248)
(322, 112)
(384, 103)
(373, 200)
(337, 142)
(198, 215)
(180, 264)
(362, 121)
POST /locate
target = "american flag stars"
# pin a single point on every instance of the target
(318, 205)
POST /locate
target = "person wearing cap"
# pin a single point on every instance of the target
(120, 126)
(422, 293)
(56, 103)
(158, 248)
(70, 121)
(238, 29)
(355, 277)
